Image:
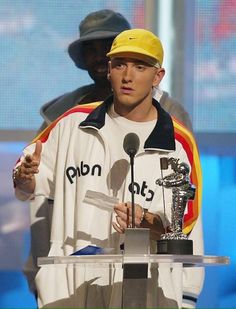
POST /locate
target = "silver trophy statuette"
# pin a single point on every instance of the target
(176, 241)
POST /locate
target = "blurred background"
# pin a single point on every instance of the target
(199, 39)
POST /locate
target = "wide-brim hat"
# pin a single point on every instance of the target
(103, 24)
(140, 44)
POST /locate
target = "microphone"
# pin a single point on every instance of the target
(131, 145)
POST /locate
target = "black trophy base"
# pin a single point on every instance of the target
(175, 246)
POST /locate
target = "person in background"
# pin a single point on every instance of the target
(97, 31)
(78, 154)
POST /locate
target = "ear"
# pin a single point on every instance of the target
(158, 76)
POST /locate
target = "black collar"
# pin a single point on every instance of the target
(162, 137)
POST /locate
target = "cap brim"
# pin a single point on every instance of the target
(135, 52)
(127, 50)
(74, 49)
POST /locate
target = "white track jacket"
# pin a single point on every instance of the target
(76, 158)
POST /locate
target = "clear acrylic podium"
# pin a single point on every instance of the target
(134, 285)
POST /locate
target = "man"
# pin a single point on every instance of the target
(97, 32)
(78, 155)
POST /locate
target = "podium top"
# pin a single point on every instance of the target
(185, 260)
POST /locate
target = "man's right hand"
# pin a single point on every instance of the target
(24, 178)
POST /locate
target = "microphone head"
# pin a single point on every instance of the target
(131, 144)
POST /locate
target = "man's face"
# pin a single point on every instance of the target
(132, 81)
(95, 59)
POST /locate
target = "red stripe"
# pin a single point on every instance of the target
(87, 109)
(189, 153)
(188, 144)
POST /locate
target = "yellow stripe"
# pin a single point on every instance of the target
(92, 105)
(188, 136)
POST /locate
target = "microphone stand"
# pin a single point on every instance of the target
(136, 242)
(132, 188)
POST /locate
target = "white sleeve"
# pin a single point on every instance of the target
(193, 277)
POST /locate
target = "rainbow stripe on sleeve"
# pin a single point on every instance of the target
(185, 137)
(86, 108)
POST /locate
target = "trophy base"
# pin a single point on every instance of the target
(175, 246)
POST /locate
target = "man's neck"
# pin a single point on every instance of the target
(142, 112)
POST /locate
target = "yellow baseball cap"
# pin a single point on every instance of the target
(140, 43)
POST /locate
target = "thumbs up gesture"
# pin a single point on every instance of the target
(23, 175)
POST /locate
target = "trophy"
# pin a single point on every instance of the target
(175, 241)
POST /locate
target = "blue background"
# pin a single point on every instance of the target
(35, 68)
